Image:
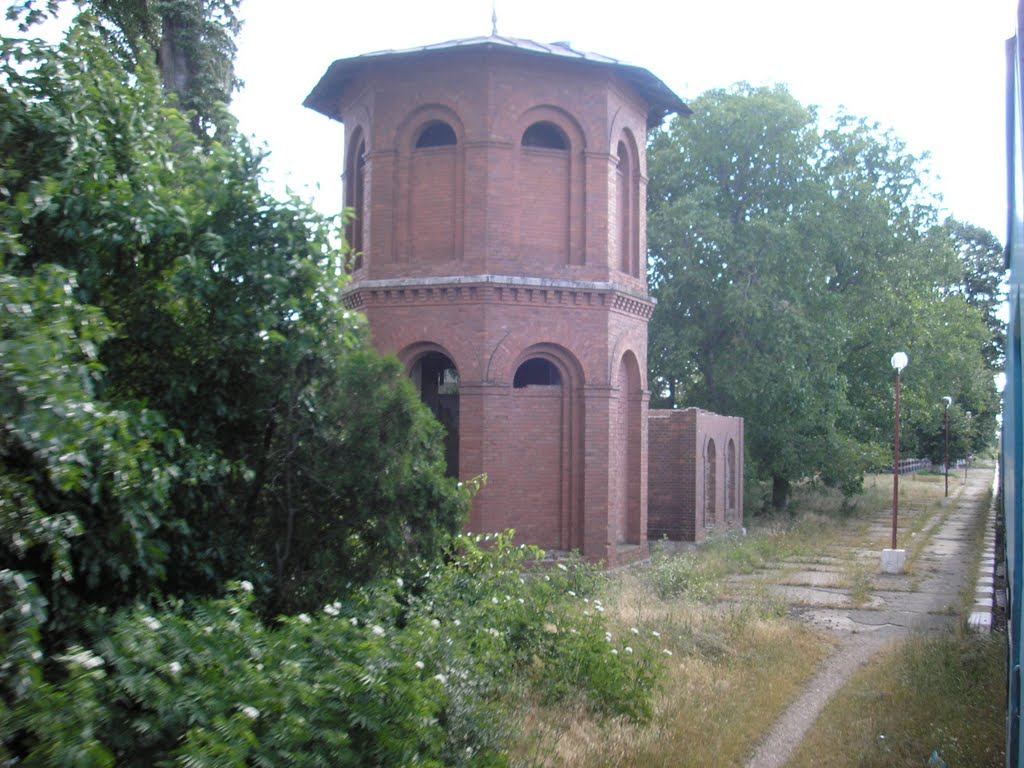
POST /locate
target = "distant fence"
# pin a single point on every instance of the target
(910, 466)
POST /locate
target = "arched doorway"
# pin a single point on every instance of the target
(730, 483)
(628, 433)
(710, 484)
(538, 452)
(437, 380)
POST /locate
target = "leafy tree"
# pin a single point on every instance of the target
(182, 398)
(789, 262)
(981, 256)
(192, 43)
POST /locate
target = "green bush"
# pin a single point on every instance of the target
(679, 575)
(424, 672)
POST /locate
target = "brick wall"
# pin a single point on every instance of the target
(682, 504)
(492, 253)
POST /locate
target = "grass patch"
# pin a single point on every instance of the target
(943, 694)
(731, 673)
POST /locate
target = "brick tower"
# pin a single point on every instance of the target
(499, 188)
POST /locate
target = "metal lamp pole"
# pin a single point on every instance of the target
(947, 401)
(967, 455)
(898, 362)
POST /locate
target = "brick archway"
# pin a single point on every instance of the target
(542, 447)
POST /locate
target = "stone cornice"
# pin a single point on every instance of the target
(498, 289)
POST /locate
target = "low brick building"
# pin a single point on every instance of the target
(499, 189)
(695, 478)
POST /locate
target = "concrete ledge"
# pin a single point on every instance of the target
(980, 621)
(894, 560)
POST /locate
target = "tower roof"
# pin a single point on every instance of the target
(662, 100)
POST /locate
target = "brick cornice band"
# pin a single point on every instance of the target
(497, 289)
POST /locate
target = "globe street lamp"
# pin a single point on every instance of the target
(898, 362)
(948, 401)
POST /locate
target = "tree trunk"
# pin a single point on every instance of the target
(780, 493)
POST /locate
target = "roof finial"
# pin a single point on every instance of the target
(494, 19)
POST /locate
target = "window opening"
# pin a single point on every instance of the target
(437, 380)
(536, 372)
(546, 136)
(436, 134)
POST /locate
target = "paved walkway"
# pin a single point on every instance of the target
(927, 599)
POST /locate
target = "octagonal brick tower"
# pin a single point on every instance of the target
(499, 190)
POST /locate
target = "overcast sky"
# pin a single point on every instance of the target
(931, 70)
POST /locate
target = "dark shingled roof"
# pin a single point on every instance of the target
(663, 101)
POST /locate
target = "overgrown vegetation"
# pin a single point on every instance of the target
(395, 673)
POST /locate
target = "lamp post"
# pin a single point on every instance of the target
(898, 362)
(947, 401)
(967, 453)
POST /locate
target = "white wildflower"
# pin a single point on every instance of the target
(457, 623)
(561, 567)
(175, 668)
(435, 623)
(571, 593)
(493, 632)
(354, 621)
(634, 630)
(152, 623)
(494, 600)
(245, 585)
(399, 582)
(441, 679)
(667, 652)
(656, 633)
(377, 630)
(615, 652)
(419, 665)
(251, 712)
(628, 649)
(304, 618)
(330, 610)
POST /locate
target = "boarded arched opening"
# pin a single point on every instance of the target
(710, 485)
(437, 380)
(355, 196)
(625, 449)
(433, 201)
(730, 482)
(545, 194)
(539, 473)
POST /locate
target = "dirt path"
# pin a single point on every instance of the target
(887, 607)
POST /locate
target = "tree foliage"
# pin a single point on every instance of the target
(789, 261)
(183, 399)
(192, 42)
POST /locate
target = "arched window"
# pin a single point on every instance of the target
(436, 134)
(710, 482)
(730, 482)
(623, 184)
(545, 135)
(355, 197)
(537, 372)
(437, 380)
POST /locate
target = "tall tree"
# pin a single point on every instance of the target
(981, 257)
(183, 399)
(786, 259)
(192, 43)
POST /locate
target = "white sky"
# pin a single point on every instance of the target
(933, 71)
